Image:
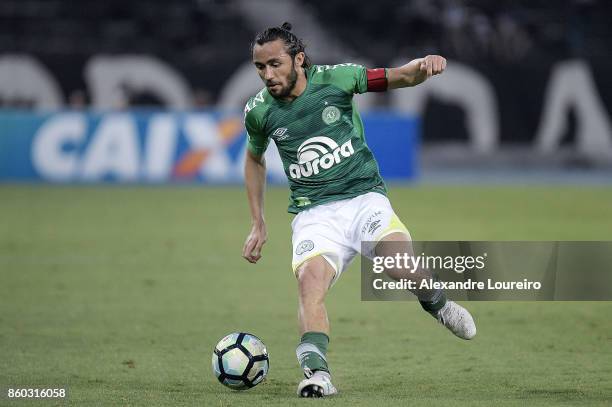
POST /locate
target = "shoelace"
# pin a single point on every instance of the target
(440, 317)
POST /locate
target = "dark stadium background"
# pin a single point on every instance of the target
(514, 44)
(119, 293)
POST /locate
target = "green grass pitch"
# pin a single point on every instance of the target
(120, 293)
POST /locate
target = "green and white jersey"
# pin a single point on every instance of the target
(319, 136)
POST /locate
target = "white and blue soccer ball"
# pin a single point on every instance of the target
(240, 361)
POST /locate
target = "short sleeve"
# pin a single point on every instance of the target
(257, 141)
(351, 78)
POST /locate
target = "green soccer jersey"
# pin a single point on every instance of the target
(319, 136)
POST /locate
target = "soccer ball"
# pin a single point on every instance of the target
(240, 361)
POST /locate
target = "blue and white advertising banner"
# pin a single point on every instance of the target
(165, 147)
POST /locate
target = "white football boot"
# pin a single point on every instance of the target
(317, 385)
(457, 319)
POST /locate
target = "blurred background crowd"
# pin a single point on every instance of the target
(207, 39)
(526, 73)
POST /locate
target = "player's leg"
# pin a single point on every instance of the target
(399, 242)
(319, 257)
(450, 314)
(314, 279)
(386, 235)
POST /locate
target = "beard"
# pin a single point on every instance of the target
(291, 81)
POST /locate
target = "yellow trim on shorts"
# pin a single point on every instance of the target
(295, 266)
(395, 225)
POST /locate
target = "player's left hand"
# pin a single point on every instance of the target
(432, 65)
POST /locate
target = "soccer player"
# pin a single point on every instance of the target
(336, 189)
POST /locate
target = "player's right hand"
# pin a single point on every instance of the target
(254, 242)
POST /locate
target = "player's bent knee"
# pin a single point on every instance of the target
(397, 237)
(315, 273)
(394, 243)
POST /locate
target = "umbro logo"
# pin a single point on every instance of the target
(373, 226)
(280, 133)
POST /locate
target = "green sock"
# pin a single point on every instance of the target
(311, 352)
(434, 303)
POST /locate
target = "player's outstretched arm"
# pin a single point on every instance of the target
(255, 181)
(415, 72)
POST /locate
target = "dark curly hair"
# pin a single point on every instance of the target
(293, 44)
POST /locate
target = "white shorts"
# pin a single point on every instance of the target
(335, 230)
